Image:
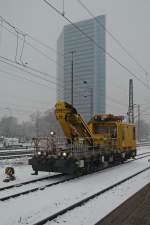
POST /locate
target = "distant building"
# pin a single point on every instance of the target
(88, 67)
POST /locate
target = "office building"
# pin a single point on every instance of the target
(81, 67)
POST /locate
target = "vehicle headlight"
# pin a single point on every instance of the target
(52, 133)
(39, 153)
(64, 154)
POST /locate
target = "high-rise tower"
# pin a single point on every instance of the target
(81, 67)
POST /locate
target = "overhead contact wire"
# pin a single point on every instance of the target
(94, 42)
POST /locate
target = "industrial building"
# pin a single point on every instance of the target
(81, 72)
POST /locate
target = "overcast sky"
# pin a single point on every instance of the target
(127, 20)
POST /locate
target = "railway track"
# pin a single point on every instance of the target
(11, 154)
(87, 199)
(143, 144)
(14, 148)
(15, 156)
(42, 187)
(37, 188)
(29, 182)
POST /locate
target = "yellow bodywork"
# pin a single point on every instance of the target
(73, 125)
(106, 129)
(124, 138)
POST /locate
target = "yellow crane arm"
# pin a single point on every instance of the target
(69, 119)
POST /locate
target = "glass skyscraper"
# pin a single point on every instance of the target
(81, 67)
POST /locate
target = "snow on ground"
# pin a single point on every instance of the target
(91, 212)
(33, 207)
(22, 171)
(37, 184)
(143, 149)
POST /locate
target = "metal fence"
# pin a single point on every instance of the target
(53, 145)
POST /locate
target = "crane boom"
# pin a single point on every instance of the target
(70, 120)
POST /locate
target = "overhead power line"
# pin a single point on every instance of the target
(40, 71)
(145, 109)
(117, 102)
(112, 106)
(17, 66)
(38, 50)
(112, 99)
(45, 45)
(113, 37)
(1, 30)
(37, 83)
(23, 78)
(29, 35)
(16, 33)
(10, 105)
(27, 100)
(33, 47)
(96, 44)
(16, 109)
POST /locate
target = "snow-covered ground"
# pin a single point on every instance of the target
(143, 149)
(91, 212)
(38, 184)
(22, 171)
(33, 207)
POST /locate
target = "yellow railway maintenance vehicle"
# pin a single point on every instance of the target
(87, 147)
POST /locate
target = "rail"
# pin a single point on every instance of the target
(52, 184)
(85, 200)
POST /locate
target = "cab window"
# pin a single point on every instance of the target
(134, 136)
(123, 133)
(112, 131)
(101, 129)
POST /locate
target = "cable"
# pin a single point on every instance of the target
(25, 111)
(145, 109)
(35, 70)
(33, 38)
(40, 71)
(117, 102)
(23, 45)
(17, 46)
(108, 104)
(33, 47)
(32, 81)
(112, 99)
(28, 100)
(122, 89)
(1, 31)
(43, 73)
(42, 53)
(96, 44)
(32, 74)
(141, 111)
(18, 106)
(45, 45)
(112, 36)
(36, 49)
(26, 79)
